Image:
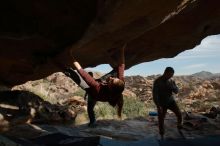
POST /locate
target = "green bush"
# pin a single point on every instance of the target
(104, 110)
(132, 108)
(79, 92)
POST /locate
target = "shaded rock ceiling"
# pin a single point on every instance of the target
(36, 36)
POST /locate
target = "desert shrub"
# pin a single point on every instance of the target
(133, 107)
(79, 92)
(36, 92)
(104, 110)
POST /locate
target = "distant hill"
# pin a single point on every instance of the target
(205, 74)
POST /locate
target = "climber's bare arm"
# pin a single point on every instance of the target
(122, 54)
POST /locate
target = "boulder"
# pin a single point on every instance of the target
(36, 37)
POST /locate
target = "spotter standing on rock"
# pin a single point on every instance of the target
(163, 89)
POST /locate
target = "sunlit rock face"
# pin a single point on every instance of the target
(36, 37)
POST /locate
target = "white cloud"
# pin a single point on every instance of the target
(193, 66)
(213, 39)
(205, 56)
(209, 48)
(196, 56)
(209, 44)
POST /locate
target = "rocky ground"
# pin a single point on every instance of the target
(61, 109)
(126, 130)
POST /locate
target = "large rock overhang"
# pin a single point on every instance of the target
(36, 37)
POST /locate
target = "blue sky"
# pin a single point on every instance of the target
(204, 57)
